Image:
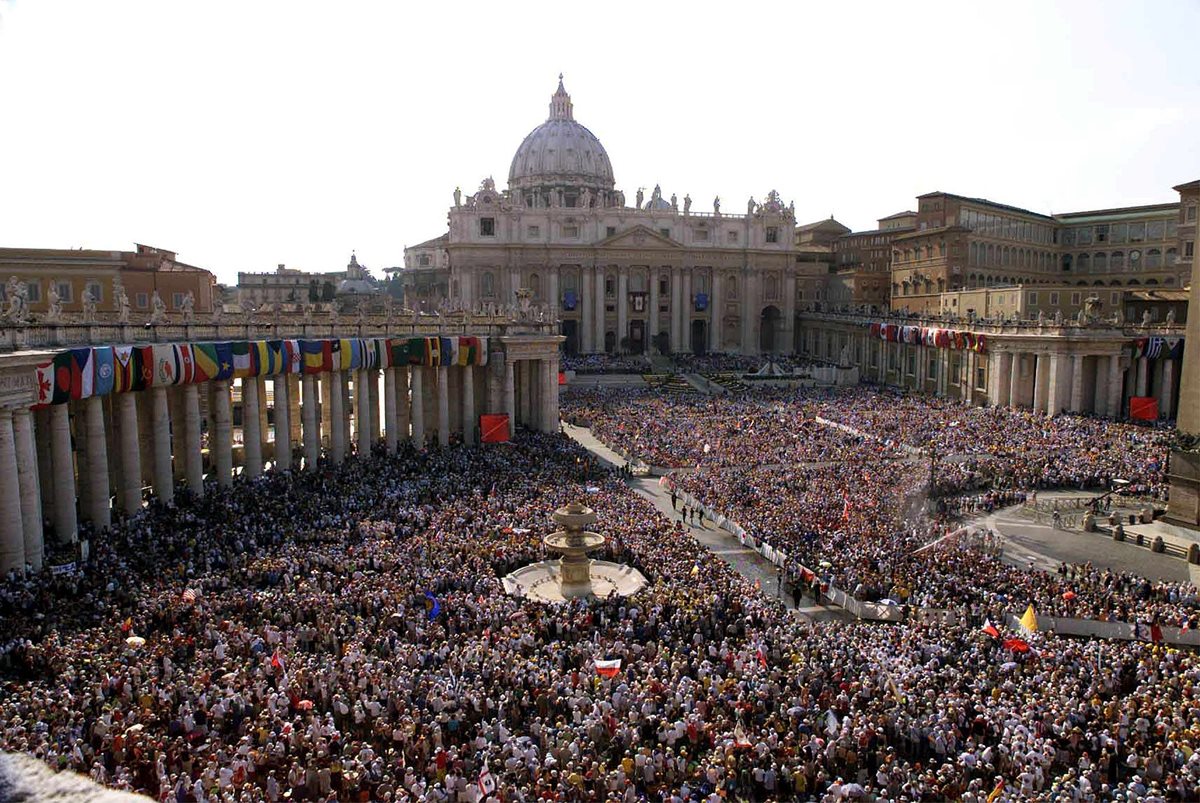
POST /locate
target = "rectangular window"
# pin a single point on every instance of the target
(1191, 214)
(1033, 298)
(1137, 232)
(96, 290)
(772, 234)
(611, 231)
(609, 287)
(177, 300)
(702, 235)
(64, 292)
(35, 290)
(664, 286)
(142, 300)
(535, 231)
(1075, 299)
(1102, 234)
(570, 231)
(487, 226)
(731, 237)
(665, 233)
(1054, 299)
(1189, 248)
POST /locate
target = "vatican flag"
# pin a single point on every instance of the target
(1029, 620)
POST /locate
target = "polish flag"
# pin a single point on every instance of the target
(277, 661)
(608, 669)
(990, 628)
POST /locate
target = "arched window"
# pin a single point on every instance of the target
(1066, 262)
(1117, 260)
(489, 285)
(1084, 263)
(1171, 255)
(1153, 258)
(535, 284)
(991, 255)
(1100, 262)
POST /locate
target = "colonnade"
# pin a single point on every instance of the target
(86, 460)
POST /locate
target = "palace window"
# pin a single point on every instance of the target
(665, 233)
(731, 236)
(177, 300)
(611, 231)
(772, 234)
(534, 231)
(488, 285)
(96, 290)
(423, 260)
(702, 235)
(142, 300)
(487, 226)
(570, 231)
(64, 292)
(664, 286)
(1054, 299)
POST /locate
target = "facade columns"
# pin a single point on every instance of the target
(1041, 383)
(337, 414)
(1076, 404)
(622, 306)
(599, 317)
(418, 408)
(1014, 385)
(252, 457)
(443, 405)
(282, 424)
(29, 486)
(685, 311)
(12, 527)
(402, 405)
(1166, 388)
(97, 469)
(223, 434)
(510, 395)
(308, 422)
(1115, 387)
(193, 459)
(1003, 379)
(1142, 388)
(66, 524)
(1058, 395)
(468, 404)
(160, 417)
(714, 314)
(652, 313)
(549, 395)
(676, 304)
(362, 413)
(587, 307)
(389, 409)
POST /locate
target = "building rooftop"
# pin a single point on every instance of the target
(986, 202)
(436, 242)
(909, 213)
(1117, 214)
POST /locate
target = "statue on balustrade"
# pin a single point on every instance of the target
(717, 206)
(17, 294)
(120, 301)
(1171, 317)
(89, 305)
(1145, 317)
(1058, 317)
(585, 198)
(188, 307)
(687, 204)
(158, 310)
(54, 303)
(1041, 318)
(750, 206)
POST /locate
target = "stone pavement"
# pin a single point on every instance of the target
(720, 542)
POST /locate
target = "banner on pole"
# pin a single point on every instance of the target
(494, 428)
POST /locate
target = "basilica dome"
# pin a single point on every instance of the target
(560, 153)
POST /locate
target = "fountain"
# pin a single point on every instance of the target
(574, 574)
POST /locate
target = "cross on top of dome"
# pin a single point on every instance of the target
(560, 103)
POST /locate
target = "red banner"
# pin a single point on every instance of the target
(1143, 408)
(562, 378)
(494, 428)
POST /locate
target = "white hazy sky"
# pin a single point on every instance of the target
(247, 133)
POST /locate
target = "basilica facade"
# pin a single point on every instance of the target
(654, 275)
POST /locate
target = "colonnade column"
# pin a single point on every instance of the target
(586, 308)
(97, 450)
(308, 421)
(418, 409)
(29, 486)
(164, 478)
(1041, 385)
(510, 395)
(12, 528)
(389, 409)
(223, 436)
(599, 312)
(283, 430)
(1166, 388)
(1014, 384)
(337, 432)
(1142, 388)
(685, 311)
(252, 457)
(443, 405)
(193, 460)
(652, 312)
(676, 305)
(468, 404)
(402, 408)
(549, 399)
(622, 305)
(1058, 390)
(66, 524)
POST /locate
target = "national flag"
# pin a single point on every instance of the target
(1029, 620)
(83, 373)
(487, 784)
(990, 628)
(54, 379)
(167, 369)
(831, 723)
(103, 358)
(143, 357)
(189, 596)
(606, 668)
(433, 354)
(277, 662)
(205, 365)
(1156, 634)
(432, 606)
(127, 625)
(124, 367)
(355, 353)
(845, 507)
(269, 354)
(293, 358)
(762, 655)
(996, 793)
(316, 355)
(455, 348)
(187, 363)
(1016, 645)
(244, 359)
(335, 355)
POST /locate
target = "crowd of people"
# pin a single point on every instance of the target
(343, 634)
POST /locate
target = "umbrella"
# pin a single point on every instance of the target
(1008, 666)
(1069, 595)
(305, 705)
(135, 641)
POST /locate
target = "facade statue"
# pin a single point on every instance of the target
(656, 195)
(218, 312)
(1041, 318)
(89, 305)
(1091, 308)
(687, 204)
(792, 210)
(1058, 317)
(620, 199)
(158, 310)
(674, 202)
(120, 301)
(457, 197)
(750, 206)
(54, 303)
(1118, 318)
(844, 357)
(188, 307)
(1145, 317)
(1171, 317)
(640, 196)
(717, 205)
(585, 198)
